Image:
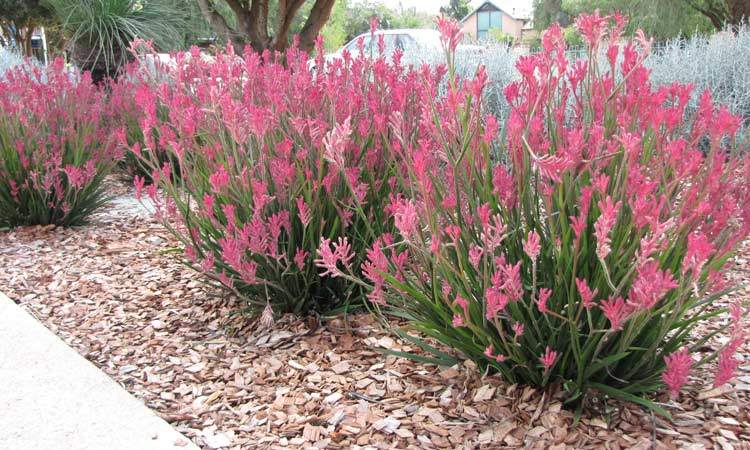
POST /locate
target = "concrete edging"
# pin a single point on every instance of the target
(51, 398)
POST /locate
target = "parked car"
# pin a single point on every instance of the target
(413, 42)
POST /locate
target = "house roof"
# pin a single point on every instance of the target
(520, 15)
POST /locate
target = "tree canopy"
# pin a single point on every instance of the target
(18, 18)
(456, 9)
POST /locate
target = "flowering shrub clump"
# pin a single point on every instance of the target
(588, 251)
(54, 148)
(133, 105)
(281, 172)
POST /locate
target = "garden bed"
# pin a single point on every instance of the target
(110, 290)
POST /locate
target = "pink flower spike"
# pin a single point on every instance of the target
(458, 321)
(463, 303)
(531, 245)
(518, 330)
(139, 182)
(727, 363)
(541, 302)
(450, 33)
(303, 211)
(604, 225)
(587, 296)
(678, 368)
(336, 142)
(329, 258)
(496, 302)
(616, 311)
(489, 351)
(548, 359)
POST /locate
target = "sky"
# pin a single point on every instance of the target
(433, 6)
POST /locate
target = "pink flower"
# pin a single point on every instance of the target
(616, 311)
(592, 27)
(303, 211)
(463, 303)
(450, 33)
(489, 352)
(551, 166)
(405, 217)
(699, 250)
(329, 258)
(727, 367)
(335, 143)
(231, 252)
(578, 224)
(513, 286)
(531, 245)
(604, 225)
(299, 258)
(587, 296)
(678, 368)
(496, 302)
(541, 302)
(548, 359)
(475, 255)
(651, 285)
(518, 330)
(727, 363)
(139, 182)
(219, 179)
(458, 321)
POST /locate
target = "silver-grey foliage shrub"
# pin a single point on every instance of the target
(498, 59)
(720, 63)
(8, 60)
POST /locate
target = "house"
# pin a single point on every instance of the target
(488, 16)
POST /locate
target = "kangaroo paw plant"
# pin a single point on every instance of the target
(585, 246)
(54, 148)
(280, 176)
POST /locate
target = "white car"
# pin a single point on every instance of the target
(413, 42)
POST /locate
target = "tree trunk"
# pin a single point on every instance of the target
(217, 23)
(319, 15)
(252, 23)
(739, 11)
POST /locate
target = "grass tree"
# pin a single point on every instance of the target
(100, 31)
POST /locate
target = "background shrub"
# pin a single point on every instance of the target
(588, 256)
(720, 63)
(8, 60)
(54, 148)
(282, 172)
(133, 105)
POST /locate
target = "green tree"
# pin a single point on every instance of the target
(19, 18)
(661, 19)
(547, 12)
(334, 31)
(721, 12)
(360, 13)
(456, 9)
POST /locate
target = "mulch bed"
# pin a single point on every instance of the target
(112, 293)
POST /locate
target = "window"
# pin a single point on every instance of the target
(487, 20)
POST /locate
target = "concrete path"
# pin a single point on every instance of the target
(51, 398)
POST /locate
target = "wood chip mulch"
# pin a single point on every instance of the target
(112, 293)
